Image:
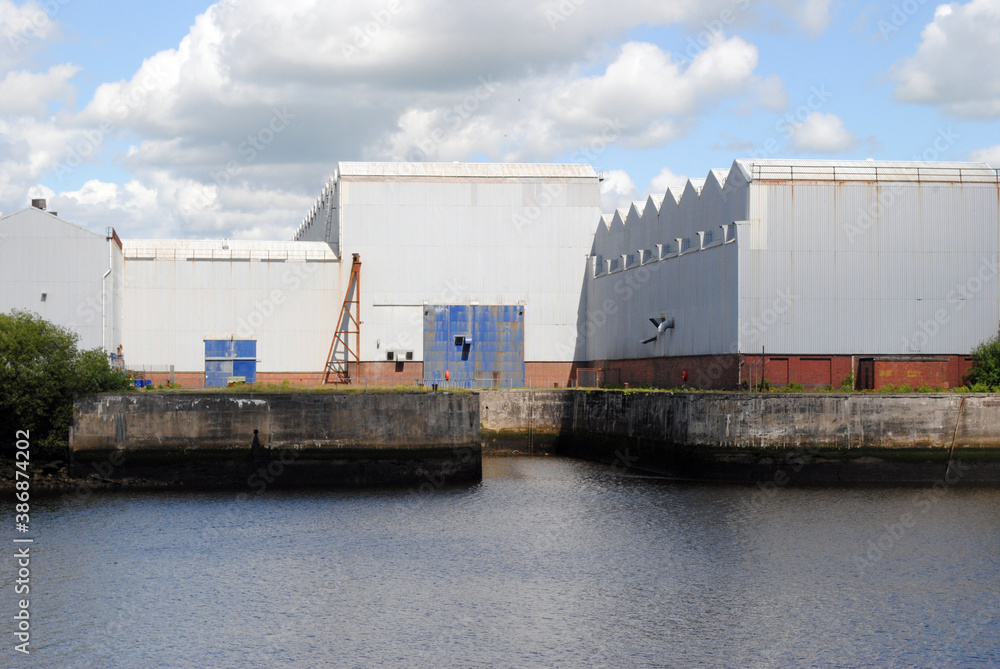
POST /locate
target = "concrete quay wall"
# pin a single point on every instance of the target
(816, 437)
(217, 439)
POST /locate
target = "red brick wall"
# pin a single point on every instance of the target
(719, 372)
(550, 374)
(716, 372)
(812, 371)
(913, 374)
(391, 373)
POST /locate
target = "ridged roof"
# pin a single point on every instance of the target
(476, 170)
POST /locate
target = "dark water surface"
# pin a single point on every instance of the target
(548, 562)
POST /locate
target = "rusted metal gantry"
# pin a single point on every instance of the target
(341, 356)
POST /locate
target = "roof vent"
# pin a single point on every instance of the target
(38, 204)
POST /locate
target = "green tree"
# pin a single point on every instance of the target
(41, 374)
(985, 364)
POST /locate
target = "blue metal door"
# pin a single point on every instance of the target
(229, 357)
(481, 346)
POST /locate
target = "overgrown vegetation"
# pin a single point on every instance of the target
(847, 385)
(985, 373)
(41, 373)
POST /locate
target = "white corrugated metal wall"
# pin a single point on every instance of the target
(286, 295)
(499, 239)
(41, 253)
(697, 288)
(865, 267)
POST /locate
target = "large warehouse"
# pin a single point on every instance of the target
(804, 271)
(508, 274)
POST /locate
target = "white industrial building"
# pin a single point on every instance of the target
(813, 269)
(508, 274)
(63, 272)
(463, 234)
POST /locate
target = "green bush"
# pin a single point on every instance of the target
(847, 385)
(985, 372)
(41, 374)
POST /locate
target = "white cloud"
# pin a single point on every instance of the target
(954, 65)
(364, 81)
(643, 98)
(24, 92)
(659, 184)
(24, 28)
(822, 133)
(989, 155)
(617, 191)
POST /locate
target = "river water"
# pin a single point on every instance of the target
(548, 562)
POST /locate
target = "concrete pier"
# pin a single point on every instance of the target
(279, 440)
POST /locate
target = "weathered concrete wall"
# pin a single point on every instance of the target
(722, 435)
(319, 438)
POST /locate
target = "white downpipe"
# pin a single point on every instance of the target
(104, 301)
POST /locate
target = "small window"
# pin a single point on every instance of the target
(708, 237)
(685, 244)
(390, 355)
(409, 355)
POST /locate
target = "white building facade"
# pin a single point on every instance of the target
(507, 274)
(816, 270)
(65, 273)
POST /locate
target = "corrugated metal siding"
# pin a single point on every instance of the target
(479, 346)
(441, 241)
(869, 267)
(40, 253)
(178, 297)
(697, 289)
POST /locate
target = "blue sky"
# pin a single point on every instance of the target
(199, 119)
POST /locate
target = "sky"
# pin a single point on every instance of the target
(204, 120)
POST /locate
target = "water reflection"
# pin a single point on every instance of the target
(547, 562)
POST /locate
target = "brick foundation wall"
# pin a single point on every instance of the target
(550, 374)
(812, 371)
(714, 372)
(385, 373)
(710, 372)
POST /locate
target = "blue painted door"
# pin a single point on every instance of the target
(480, 346)
(229, 357)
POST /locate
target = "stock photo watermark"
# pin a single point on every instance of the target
(455, 116)
(887, 195)
(363, 35)
(894, 532)
(92, 139)
(899, 16)
(34, 26)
